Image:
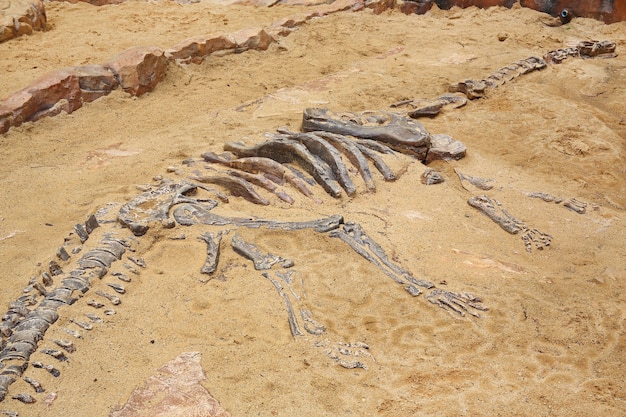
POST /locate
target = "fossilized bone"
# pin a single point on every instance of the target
(493, 209)
(399, 133)
(585, 49)
(478, 88)
(431, 108)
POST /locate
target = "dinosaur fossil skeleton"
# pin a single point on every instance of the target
(85, 266)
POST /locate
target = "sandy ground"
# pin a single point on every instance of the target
(553, 342)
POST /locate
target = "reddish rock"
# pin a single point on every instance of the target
(609, 12)
(286, 25)
(139, 69)
(21, 17)
(197, 48)
(337, 6)
(6, 118)
(36, 100)
(252, 38)
(277, 32)
(94, 2)
(291, 21)
(94, 81)
(412, 7)
(379, 6)
(63, 90)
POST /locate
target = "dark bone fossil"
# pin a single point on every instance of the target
(585, 49)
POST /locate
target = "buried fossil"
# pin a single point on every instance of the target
(474, 89)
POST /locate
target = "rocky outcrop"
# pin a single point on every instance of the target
(139, 70)
(63, 90)
(252, 38)
(21, 17)
(195, 50)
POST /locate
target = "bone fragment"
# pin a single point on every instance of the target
(190, 214)
(291, 317)
(213, 251)
(261, 261)
(290, 151)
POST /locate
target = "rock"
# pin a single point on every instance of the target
(252, 38)
(380, 6)
(174, 391)
(6, 118)
(292, 21)
(95, 81)
(99, 2)
(413, 7)
(337, 6)
(40, 98)
(63, 90)
(445, 147)
(21, 17)
(286, 25)
(138, 70)
(199, 47)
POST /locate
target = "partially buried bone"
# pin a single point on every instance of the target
(310, 325)
(321, 148)
(479, 88)
(291, 317)
(353, 153)
(482, 183)
(459, 303)
(431, 108)
(260, 260)
(445, 148)
(290, 151)
(378, 162)
(430, 177)
(154, 206)
(190, 214)
(237, 186)
(493, 209)
(400, 133)
(355, 237)
(262, 181)
(213, 251)
(271, 169)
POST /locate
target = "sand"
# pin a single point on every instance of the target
(553, 341)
